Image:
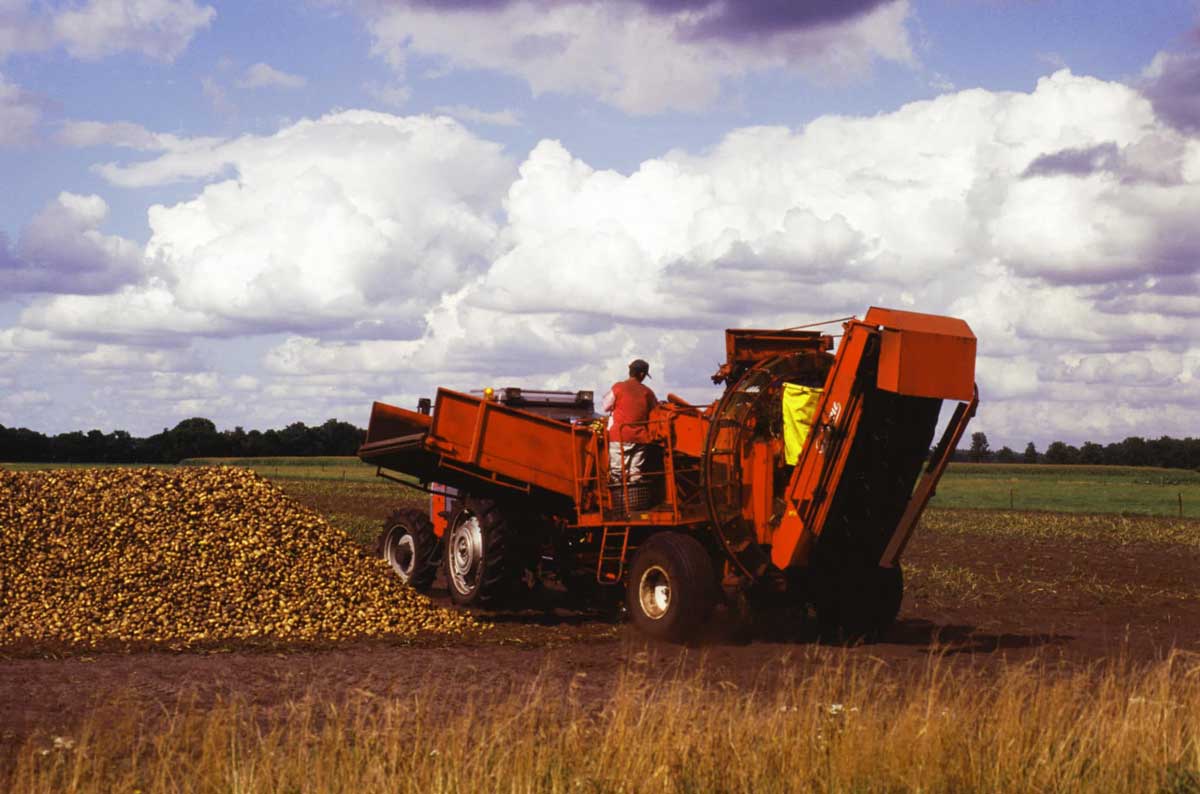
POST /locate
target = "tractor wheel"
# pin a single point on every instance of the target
(480, 559)
(408, 544)
(672, 588)
(859, 605)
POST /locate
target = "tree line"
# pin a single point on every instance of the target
(192, 438)
(199, 438)
(1164, 452)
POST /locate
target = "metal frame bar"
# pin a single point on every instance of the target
(379, 472)
(494, 479)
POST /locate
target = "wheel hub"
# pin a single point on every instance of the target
(466, 553)
(654, 592)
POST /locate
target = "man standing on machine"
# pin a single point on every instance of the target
(629, 402)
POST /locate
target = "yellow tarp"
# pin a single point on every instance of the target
(799, 406)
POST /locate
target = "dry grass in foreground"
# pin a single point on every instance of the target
(847, 727)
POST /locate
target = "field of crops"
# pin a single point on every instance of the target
(1048, 651)
(1071, 489)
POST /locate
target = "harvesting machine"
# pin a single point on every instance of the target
(521, 486)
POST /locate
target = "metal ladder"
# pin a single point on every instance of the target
(613, 545)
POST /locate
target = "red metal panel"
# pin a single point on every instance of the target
(926, 365)
(509, 442)
(824, 456)
(453, 422)
(915, 321)
(437, 506)
(690, 432)
(388, 422)
(761, 486)
(924, 355)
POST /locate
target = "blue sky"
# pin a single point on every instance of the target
(263, 212)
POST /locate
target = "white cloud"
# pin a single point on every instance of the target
(930, 205)
(1172, 82)
(349, 223)
(92, 29)
(26, 398)
(146, 314)
(121, 133)
(637, 58)
(124, 358)
(182, 159)
(497, 118)
(407, 252)
(21, 30)
(18, 341)
(262, 75)
(62, 250)
(19, 114)
(160, 29)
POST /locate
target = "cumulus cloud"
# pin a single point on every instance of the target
(20, 114)
(1078, 162)
(1172, 82)
(62, 250)
(349, 223)
(1057, 222)
(410, 253)
(644, 57)
(262, 75)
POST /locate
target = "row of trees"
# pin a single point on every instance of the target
(199, 438)
(191, 438)
(1165, 452)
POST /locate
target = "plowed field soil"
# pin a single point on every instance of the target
(984, 589)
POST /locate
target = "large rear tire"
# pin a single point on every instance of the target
(672, 588)
(408, 544)
(482, 562)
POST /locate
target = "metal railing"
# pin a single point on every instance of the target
(612, 494)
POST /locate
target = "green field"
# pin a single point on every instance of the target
(1069, 489)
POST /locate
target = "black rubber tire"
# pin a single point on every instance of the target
(426, 547)
(684, 566)
(500, 566)
(860, 604)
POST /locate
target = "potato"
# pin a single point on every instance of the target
(185, 556)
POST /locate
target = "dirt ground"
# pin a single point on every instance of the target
(971, 600)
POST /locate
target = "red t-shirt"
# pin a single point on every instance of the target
(633, 402)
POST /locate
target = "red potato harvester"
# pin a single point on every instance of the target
(520, 482)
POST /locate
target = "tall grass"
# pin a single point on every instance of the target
(845, 727)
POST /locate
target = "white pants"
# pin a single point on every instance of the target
(634, 456)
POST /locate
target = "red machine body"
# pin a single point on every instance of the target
(828, 531)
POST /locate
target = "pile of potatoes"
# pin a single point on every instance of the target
(185, 557)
